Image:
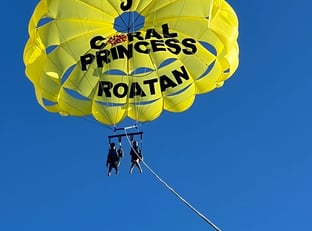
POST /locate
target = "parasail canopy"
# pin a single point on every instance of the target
(114, 59)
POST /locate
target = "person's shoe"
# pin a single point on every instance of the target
(108, 174)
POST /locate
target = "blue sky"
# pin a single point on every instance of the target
(241, 155)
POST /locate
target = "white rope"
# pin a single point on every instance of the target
(172, 190)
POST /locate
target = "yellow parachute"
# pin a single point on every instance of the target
(114, 59)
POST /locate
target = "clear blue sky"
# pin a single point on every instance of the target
(241, 155)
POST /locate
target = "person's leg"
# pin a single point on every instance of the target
(109, 170)
(116, 168)
(131, 168)
(139, 166)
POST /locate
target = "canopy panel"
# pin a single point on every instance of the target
(116, 59)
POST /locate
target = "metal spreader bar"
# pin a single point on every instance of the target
(131, 135)
(125, 128)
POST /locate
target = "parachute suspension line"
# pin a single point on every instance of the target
(171, 189)
(119, 142)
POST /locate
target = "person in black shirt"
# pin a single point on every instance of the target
(113, 159)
